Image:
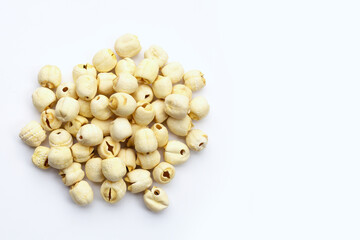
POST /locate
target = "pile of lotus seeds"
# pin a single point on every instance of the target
(117, 112)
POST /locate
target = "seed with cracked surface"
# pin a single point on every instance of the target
(82, 193)
(40, 157)
(113, 192)
(163, 173)
(32, 134)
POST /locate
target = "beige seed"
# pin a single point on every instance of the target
(43, 98)
(48, 120)
(60, 138)
(125, 65)
(105, 83)
(82, 153)
(74, 125)
(163, 173)
(196, 140)
(138, 180)
(176, 152)
(66, 90)
(127, 45)
(148, 160)
(145, 141)
(60, 157)
(128, 156)
(109, 148)
(72, 174)
(104, 60)
(49, 76)
(147, 71)
(93, 170)
(32, 134)
(143, 93)
(99, 107)
(83, 69)
(159, 109)
(179, 127)
(161, 133)
(156, 199)
(122, 104)
(82, 193)
(40, 157)
(194, 79)
(112, 192)
(174, 71)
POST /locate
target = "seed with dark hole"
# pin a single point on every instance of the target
(166, 174)
(109, 194)
(201, 144)
(156, 192)
(110, 148)
(158, 126)
(58, 133)
(46, 163)
(81, 137)
(182, 151)
(84, 66)
(98, 97)
(71, 124)
(147, 95)
(47, 122)
(65, 89)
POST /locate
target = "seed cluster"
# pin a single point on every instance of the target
(116, 111)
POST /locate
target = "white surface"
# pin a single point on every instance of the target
(291, 172)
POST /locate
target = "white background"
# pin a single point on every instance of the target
(283, 83)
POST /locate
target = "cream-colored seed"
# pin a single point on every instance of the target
(199, 108)
(60, 138)
(109, 148)
(43, 98)
(138, 180)
(179, 127)
(156, 199)
(72, 174)
(194, 79)
(32, 134)
(145, 141)
(113, 169)
(156, 53)
(161, 134)
(60, 157)
(86, 87)
(74, 125)
(125, 82)
(196, 140)
(49, 76)
(163, 173)
(67, 109)
(148, 160)
(127, 45)
(40, 157)
(134, 128)
(143, 93)
(125, 65)
(83, 69)
(99, 107)
(162, 87)
(104, 60)
(105, 82)
(85, 109)
(93, 170)
(177, 106)
(103, 125)
(120, 129)
(82, 153)
(174, 71)
(144, 113)
(176, 152)
(128, 156)
(90, 135)
(66, 90)
(159, 109)
(48, 120)
(82, 193)
(122, 104)
(113, 192)
(182, 90)
(147, 71)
